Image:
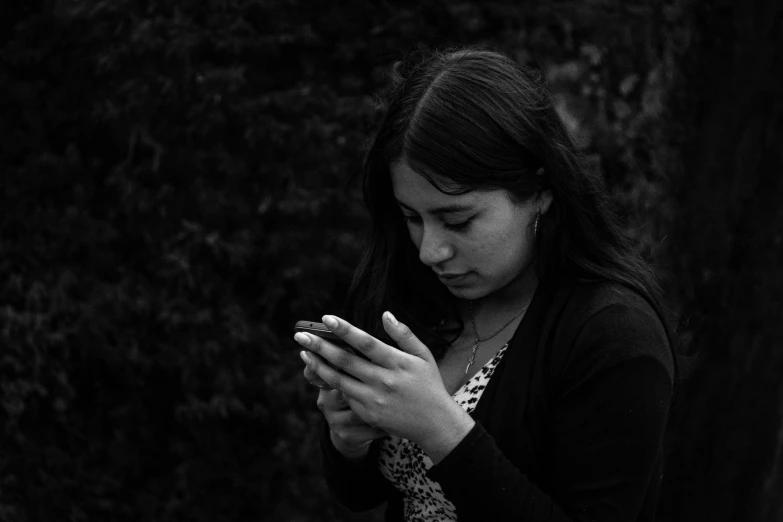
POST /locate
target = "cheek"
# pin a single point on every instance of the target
(504, 251)
(486, 251)
(415, 234)
(520, 255)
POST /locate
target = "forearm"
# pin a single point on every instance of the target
(356, 483)
(452, 425)
(484, 485)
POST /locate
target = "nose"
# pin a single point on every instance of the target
(434, 249)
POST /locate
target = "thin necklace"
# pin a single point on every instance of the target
(478, 339)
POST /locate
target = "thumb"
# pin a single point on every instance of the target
(405, 338)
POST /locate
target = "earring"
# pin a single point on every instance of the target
(535, 226)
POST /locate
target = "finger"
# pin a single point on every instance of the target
(336, 398)
(346, 421)
(318, 383)
(330, 400)
(378, 352)
(357, 435)
(345, 418)
(337, 357)
(405, 339)
(330, 404)
(343, 382)
(312, 377)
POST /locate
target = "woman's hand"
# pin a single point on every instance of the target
(350, 435)
(398, 391)
(313, 377)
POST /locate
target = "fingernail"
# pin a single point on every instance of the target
(305, 357)
(391, 318)
(330, 321)
(302, 339)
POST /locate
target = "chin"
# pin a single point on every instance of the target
(469, 293)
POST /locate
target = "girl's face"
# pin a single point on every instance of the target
(476, 243)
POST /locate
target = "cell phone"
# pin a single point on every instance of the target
(323, 332)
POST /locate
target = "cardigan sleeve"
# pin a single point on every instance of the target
(358, 486)
(606, 427)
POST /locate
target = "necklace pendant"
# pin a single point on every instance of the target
(487, 338)
(472, 357)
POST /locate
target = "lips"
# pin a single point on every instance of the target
(449, 278)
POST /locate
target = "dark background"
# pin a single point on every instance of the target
(174, 196)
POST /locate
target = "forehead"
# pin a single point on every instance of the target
(417, 192)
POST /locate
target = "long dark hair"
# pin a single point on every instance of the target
(472, 118)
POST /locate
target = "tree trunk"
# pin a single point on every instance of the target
(727, 250)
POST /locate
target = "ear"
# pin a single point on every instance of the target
(544, 200)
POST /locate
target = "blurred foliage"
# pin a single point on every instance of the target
(176, 194)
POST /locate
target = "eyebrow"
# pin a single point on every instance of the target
(439, 211)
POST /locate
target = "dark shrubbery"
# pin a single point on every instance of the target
(175, 195)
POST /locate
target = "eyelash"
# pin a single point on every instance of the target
(450, 226)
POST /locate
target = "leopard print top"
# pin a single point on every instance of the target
(404, 464)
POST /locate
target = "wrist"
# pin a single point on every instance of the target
(452, 427)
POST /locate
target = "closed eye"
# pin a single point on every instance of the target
(458, 226)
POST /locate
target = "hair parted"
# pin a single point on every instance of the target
(468, 119)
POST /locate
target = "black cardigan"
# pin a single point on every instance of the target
(570, 427)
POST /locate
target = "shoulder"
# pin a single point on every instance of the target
(583, 300)
(601, 326)
(608, 304)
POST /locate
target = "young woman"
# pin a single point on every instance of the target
(529, 370)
